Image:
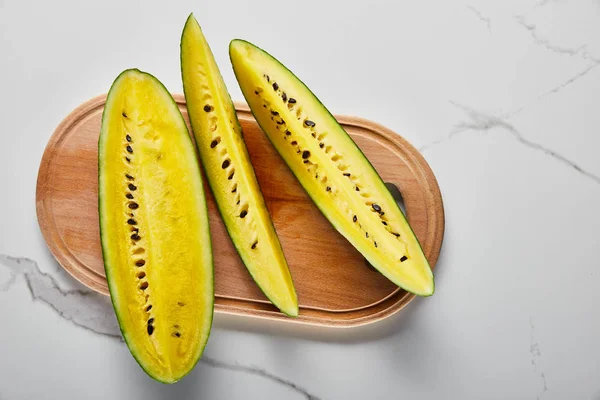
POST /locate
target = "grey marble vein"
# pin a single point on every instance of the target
(532, 29)
(555, 89)
(486, 20)
(429, 145)
(581, 51)
(93, 312)
(479, 121)
(482, 122)
(571, 80)
(536, 353)
(84, 308)
(543, 3)
(259, 372)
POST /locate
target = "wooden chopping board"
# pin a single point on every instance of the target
(335, 285)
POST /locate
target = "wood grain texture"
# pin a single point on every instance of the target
(335, 286)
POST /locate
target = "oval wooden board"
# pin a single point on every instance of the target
(334, 285)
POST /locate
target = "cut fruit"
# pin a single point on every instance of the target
(154, 227)
(229, 171)
(331, 168)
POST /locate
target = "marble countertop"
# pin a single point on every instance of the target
(500, 96)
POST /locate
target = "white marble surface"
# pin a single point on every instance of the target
(502, 98)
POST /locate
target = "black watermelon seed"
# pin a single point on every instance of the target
(354, 219)
(275, 86)
(144, 286)
(254, 245)
(129, 196)
(150, 329)
(367, 235)
(375, 243)
(127, 158)
(256, 92)
(382, 213)
(129, 177)
(213, 144)
(140, 263)
(225, 164)
(150, 321)
(275, 113)
(264, 105)
(133, 206)
(267, 78)
(309, 123)
(177, 334)
(234, 190)
(305, 161)
(131, 221)
(284, 97)
(346, 174)
(357, 189)
(132, 186)
(321, 145)
(128, 138)
(238, 202)
(328, 189)
(208, 108)
(230, 177)
(129, 149)
(305, 154)
(376, 207)
(288, 133)
(294, 143)
(396, 234)
(149, 308)
(383, 222)
(124, 114)
(136, 237)
(141, 275)
(404, 258)
(292, 100)
(243, 214)
(314, 135)
(280, 122)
